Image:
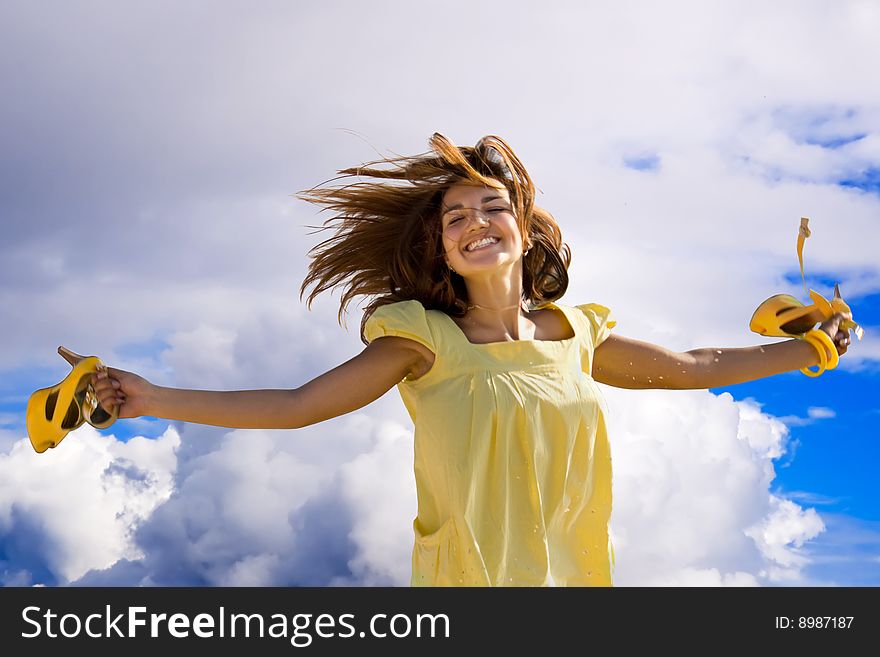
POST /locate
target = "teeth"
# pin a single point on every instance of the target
(482, 242)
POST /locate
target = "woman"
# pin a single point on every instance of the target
(512, 459)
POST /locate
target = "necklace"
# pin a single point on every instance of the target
(520, 305)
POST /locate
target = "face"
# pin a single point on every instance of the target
(480, 231)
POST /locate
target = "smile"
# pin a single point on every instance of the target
(482, 243)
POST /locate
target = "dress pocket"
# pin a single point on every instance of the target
(442, 558)
(433, 557)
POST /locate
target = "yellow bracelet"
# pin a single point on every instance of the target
(825, 339)
(828, 356)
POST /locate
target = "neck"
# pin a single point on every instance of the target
(495, 304)
(500, 289)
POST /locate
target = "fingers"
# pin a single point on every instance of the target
(841, 341)
(108, 390)
(831, 326)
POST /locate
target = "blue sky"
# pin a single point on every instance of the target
(149, 157)
(832, 461)
(835, 455)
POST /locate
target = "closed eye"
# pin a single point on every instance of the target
(495, 210)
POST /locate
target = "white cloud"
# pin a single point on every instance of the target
(76, 507)
(379, 488)
(814, 413)
(705, 577)
(821, 412)
(780, 537)
(692, 478)
(811, 498)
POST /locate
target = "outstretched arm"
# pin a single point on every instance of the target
(627, 363)
(346, 388)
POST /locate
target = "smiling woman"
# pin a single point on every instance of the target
(463, 272)
(392, 241)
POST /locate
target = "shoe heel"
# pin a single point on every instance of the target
(69, 356)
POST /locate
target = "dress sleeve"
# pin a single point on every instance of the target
(599, 318)
(404, 319)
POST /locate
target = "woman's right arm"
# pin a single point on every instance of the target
(346, 388)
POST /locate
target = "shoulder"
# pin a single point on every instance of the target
(554, 320)
(594, 319)
(405, 324)
(397, 314)
(411, 310)
(402, 319)
(406, 306)
(596, 314)
(592, 309)
(559, 312)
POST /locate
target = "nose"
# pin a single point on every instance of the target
(477, 218)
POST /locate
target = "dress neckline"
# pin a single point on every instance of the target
(561, 342)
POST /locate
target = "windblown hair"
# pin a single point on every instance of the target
(388, 241)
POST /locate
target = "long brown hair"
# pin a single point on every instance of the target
(388, 240)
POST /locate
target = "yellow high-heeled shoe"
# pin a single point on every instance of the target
(783, 315)
(54, 412)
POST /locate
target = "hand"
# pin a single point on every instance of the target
(118, 387)
(831, 326)
(113, 387)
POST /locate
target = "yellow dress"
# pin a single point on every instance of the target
(512, 460)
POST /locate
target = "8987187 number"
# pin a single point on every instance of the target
(814, 622)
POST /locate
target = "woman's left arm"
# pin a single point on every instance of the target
(627, 363)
